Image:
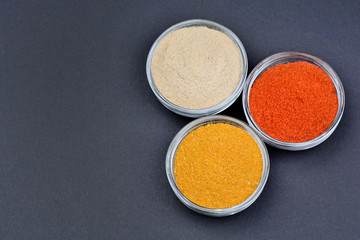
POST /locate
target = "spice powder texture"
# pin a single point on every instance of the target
(218, 166)
(293, 102)
(196, 67)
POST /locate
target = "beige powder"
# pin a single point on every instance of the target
(196, 67)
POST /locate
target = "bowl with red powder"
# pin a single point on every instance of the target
(293, 100)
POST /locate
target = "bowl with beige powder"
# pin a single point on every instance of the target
(197, 68)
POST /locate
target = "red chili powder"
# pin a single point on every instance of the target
(293, 102)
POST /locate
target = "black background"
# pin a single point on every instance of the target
(83, 138)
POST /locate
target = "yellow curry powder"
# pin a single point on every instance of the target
(218, 166)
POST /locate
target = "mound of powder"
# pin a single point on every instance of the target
(218, 166)
(294, 102)
(196, 67)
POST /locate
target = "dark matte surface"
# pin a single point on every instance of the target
(83, 139)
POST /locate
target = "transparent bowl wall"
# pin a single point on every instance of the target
(170, 159)
(206, 111)
(286, 57)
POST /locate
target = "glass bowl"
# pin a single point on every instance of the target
(205, 111)
(170, 159)
(286, 57)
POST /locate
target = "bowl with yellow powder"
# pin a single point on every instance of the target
(217, 165)
(197, 68)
